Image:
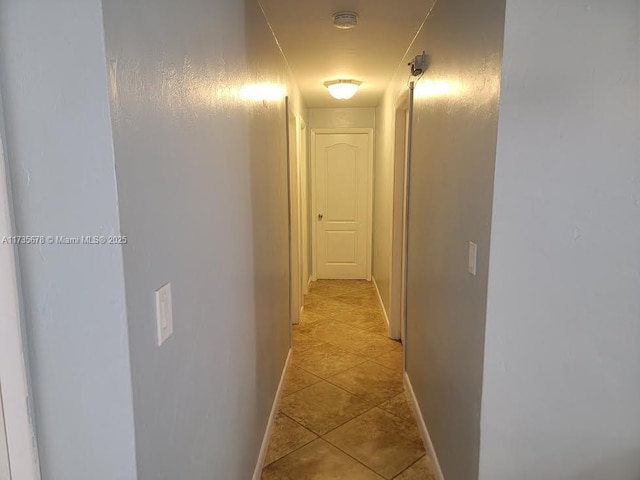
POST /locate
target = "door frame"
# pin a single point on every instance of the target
(303, 157)
(314, 236)
(14, 392)
(296, 288)
(401, 152)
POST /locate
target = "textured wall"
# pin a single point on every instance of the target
(196, 92)
(383, 195)
(562, 368)
(54, 85)
(452, 166)
(342, 117)
(202, 181)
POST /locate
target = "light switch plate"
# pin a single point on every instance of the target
(473, 258)
(164, 313)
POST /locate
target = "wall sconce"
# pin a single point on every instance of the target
(342, 89)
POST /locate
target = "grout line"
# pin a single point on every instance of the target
(409, 466)
(369, 404)
(366, 400)
(318, 437)
(347, 453)
(353, 458)
(347, 421)
(297, 448)
(360, 365)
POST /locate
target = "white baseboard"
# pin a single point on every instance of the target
(424, 433)
(384, 311)
(257, 473)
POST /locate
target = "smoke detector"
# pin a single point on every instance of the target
(345, 20)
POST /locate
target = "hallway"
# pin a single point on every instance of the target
(343, 412)
(212, 150)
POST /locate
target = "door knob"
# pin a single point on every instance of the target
(320, 216)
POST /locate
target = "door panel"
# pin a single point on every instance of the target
(341, 183)
(342, 204)
(342, 247)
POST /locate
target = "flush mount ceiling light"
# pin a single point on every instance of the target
(345, 20)
(342, 89)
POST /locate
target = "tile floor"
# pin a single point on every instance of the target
(343, 413)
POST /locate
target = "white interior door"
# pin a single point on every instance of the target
(342, 203)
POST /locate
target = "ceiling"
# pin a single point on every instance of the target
(317, 51)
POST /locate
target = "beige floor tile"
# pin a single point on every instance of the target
(379, 440)
(363, 319)
(360, 301)
(373, 382)
(297, 379)
(328, 330)
(323, 407)
(392, 360)
(302, 341)
(309, 316)
(399, 406)
(318, 461)
(343, 338)
(365, 343)
(328, 306)
(314, 329)
(381, 329)
(343, 284)
(421, 470)
(313, 297)
(286, 437)
(328, 289)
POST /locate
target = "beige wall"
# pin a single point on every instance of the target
(342, 117)
(59, 148)
(452, 165)
(129, 117)
(383, 194)
(202, 184)
(562, 366)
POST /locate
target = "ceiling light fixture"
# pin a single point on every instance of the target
(342, 89)
(345, 20)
